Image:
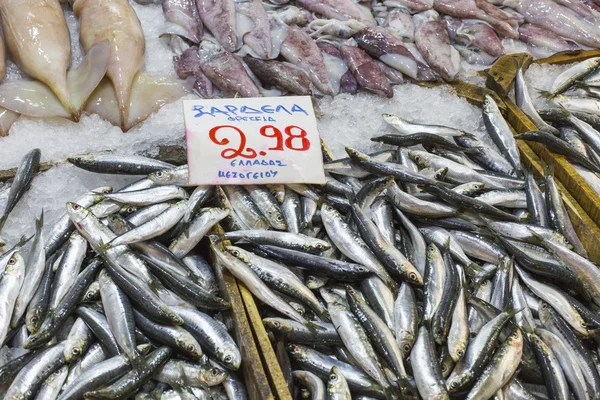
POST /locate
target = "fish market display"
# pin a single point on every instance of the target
(276, 47)
(96, 306)
(437, 267)
(569, 122)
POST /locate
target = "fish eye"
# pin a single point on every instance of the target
(406, 348)
(191, 347)
(12, 261)
(412, 276)
(235, 252)
(75, 351)
(417, 158)
(276, 324)
(76, 206)
(361, 269)
(454, 385)
(159, 174)
(460, 353)
(215, 371)
(279, 218)
(34, 320)
(333, 377)
(228, 359)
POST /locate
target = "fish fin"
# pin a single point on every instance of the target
(441, 173)
(539, 239)
(548, 169)
(39, 223)
(149, 94)
(3, 221)
(39, 102)
(23, 240)
(7, 118)
(546, 94)
(83, 80)
(312, 327)
(103, 101)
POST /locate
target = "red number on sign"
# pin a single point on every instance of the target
(289, 142)
(293, 132)
(232, 153)
(276, 134)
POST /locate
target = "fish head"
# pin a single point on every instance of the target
(213, 376)
(415, 277)
(163, 177)
(335, 377)
(117, 224)
(14, 262)
(418, 158)
(456, 382)
(296, 351)
(33, 319)
(74, 350)
(277, 324)
(544, 312)
(76, 212)
(406, 340)
(318, 245)
(128, 210)
(237, 252)
(231, 358)
(190, 347)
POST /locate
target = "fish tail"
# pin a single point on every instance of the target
(548, 169)
(3, 221)
(546, 94)
(39, 223)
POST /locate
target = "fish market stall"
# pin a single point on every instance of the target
(439, 259)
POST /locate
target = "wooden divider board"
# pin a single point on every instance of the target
(255, 378)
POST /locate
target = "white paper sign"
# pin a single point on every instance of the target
(253, 141)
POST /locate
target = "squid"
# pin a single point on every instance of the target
(482, 10)
(182, 19)
(253, 27)
(544, 43)
(126, 97)
(342, 10)
(38, 40)
(558, 19)
(219, 17)
(379, 43)
(282, 75)
(299, 49)
(366, 71)
(341, 77)
(227, 72)
(433, 42)
(400, 24)
(478, 35)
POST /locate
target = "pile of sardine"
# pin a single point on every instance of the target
(100, 308)
(571, 125)
(251, 48)
(438, 268)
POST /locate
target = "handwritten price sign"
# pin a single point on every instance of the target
(253, 141)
